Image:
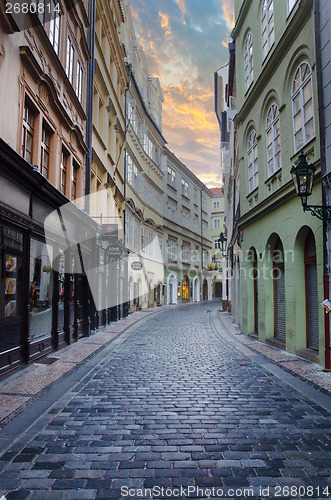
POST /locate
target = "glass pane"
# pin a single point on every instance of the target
(309, 128)
(61, 291)
(12, 239)
(308, 110)
(307, 91)
(40, 291)
(297, 122)
(296, 104)
(11, 303)
(298, 140)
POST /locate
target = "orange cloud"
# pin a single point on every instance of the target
(228, 11)
(165, 24)
(182, 8)
(224, 43)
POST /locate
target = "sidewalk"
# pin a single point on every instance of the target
(21, 388)
(310, 372)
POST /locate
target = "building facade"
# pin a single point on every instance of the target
(217, 226)
(108, 143)
(277, 118)
(42, 157)
(144, 178)
(188, 247)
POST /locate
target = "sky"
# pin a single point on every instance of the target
(185, 42)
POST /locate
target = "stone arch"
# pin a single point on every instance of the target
(172, 289)
(196, 289)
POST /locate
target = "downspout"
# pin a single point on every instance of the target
(321, 119)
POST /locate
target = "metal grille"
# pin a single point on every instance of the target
(312, 306)
(280, 330)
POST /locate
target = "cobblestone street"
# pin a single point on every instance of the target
(175, 405)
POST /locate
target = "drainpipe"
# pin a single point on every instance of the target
(321, 117)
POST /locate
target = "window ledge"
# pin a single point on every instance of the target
(309, 152)
(274, 177)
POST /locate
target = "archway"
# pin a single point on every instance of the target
(205, 289)
(186, 288)
(196, 289)
(172, 289)
(279, 292)
(311, 292)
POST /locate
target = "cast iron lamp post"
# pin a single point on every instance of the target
(222, 239)
(303, 177)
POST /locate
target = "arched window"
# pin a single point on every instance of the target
(248, 60)
(267, 26)
(253, 173)
(303, 106)
(273, 140)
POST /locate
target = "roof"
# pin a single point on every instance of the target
(217, 191)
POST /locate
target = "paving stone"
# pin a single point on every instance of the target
(182, 412)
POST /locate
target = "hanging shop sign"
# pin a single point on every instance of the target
(109, 232)
(113, 251)
(136, 266)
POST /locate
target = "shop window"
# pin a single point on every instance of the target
(40, 290)
(61, 290)
(45, 148)
(10, 289)
(28, 132)
(186, 289)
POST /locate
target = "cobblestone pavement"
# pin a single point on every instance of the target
(175, 405)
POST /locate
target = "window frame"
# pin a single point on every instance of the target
(70, 58)
(248, 61)
(299, 92)
(271, 126)
(269, 30)
(27, 130)
(252, 146)
(45, 150)
(79, 80)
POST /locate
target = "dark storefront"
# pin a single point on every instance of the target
(45, 300)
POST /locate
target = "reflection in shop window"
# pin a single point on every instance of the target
(60, 308)
(40, 290)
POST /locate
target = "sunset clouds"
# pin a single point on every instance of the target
(182, 40)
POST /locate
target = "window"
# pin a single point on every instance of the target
(64, 162)
(172, 209)
(171, 175)
(185, 252)
(216, 204)
(217, 223)
(267, 25)
(129, 231)
(79, 81)
(253, 175)
(27, 138)
(303, 106)
(248, 60)
(185, 217)
(290, 5)
(172, 247)
(70, 60)
(273, 140)
(75, 168)
(54, 27)
(184, 188)
(216, 245)
(44, 160)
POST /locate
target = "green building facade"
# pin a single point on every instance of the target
(281, 268)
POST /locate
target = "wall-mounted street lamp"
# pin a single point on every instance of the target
(222, 239)
(303, 176)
